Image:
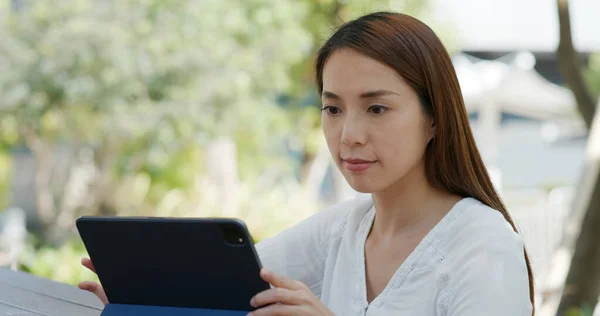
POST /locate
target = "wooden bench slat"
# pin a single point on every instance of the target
(7, 309)
(42, 304)
(46, 287)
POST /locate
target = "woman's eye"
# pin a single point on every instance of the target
(331, 110)
(377, 109)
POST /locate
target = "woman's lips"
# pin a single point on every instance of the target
(357, 165)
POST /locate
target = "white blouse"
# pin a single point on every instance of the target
(470, 264)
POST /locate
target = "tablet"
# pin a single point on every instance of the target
(207, 263)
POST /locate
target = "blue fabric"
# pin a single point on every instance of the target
(147, 310)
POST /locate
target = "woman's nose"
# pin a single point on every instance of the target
(353, 132)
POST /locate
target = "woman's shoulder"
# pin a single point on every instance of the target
(484, 264)
(482, 220)
(479, 228)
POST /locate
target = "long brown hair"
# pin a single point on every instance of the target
(404, 43)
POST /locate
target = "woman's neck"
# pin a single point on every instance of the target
(411, 204)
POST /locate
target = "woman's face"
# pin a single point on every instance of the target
(373, 122)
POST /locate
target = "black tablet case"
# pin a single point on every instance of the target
(171, 266)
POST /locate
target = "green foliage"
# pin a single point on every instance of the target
(266, 208)
(592, 74)
(62, 264)
(166, 72)
(585, 310)
(4, 179)
(266, 211)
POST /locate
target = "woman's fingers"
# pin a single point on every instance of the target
(275, 310)
(278, 280)
(276, 295)
(95, 288)
(90, 286)
(285, 291)
(86, 262)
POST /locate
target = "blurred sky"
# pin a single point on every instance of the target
(519, 24)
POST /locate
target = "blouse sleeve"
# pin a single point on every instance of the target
(299, 252)
(491, 278)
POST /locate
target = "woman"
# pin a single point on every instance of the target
(433, 237)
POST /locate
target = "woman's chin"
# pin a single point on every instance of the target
(362, 186)
(365, 190)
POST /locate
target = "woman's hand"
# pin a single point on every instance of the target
(91, 286)
(289, 297)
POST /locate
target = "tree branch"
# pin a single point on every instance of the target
(42, 154)
(570, 65)
(573, 275)
(582, 285)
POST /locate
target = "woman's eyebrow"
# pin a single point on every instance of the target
(377, 93)
(364, 95)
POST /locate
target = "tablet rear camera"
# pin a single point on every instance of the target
(233, 235)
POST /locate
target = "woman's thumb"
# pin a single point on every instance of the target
(94, 288)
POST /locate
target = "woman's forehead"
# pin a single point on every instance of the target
(349, 72)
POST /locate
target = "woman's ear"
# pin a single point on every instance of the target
(431, 130)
